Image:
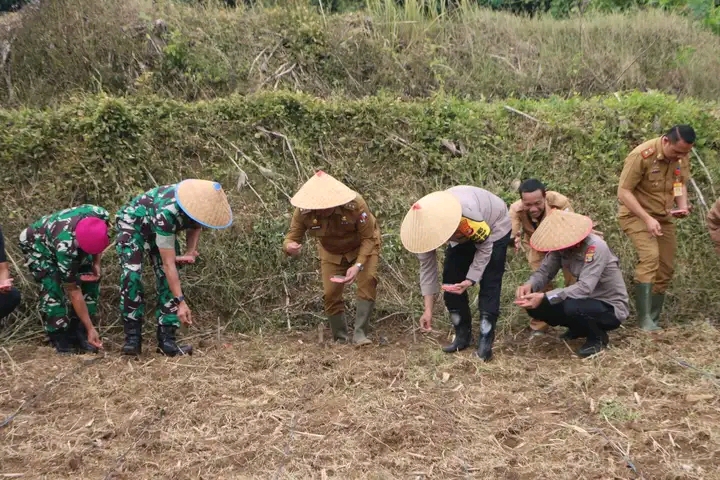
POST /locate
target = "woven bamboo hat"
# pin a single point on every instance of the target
(322, 191)
(560, 230)
(431, 221)
(205, 202)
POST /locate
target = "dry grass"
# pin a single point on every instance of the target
(284, 406)
(75, 46)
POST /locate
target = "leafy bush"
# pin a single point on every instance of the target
(104, 149)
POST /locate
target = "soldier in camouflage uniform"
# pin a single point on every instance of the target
(64, 249)
(149, 224)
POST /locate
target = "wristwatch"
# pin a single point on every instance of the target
(179, 300)
(359, 266)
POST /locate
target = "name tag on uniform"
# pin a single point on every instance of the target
(316, 227)
(677, 189)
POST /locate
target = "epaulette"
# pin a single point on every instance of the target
(647, 152)
(351, 205)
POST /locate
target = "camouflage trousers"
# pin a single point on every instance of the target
(131, 246)
(55, 308)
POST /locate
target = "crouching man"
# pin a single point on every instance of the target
(597, 302)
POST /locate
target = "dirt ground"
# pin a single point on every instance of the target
(286, 406)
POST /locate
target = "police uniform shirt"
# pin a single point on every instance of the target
(597, 271)
(484, 220)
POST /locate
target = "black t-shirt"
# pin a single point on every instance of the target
(3, 257)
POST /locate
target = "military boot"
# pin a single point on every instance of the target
(643, 305)
(487, 335)
(463, 331)
(363, 309)
(338, 327)
(78, 337)
(60, 339)
(166, 342)
(656, 305)
(133, 338)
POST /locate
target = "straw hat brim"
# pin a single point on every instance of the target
(322, 191)
(205, 202)
(561, 230)
(430, 222)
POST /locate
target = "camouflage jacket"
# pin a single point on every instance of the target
(156, 212)
(52, 237)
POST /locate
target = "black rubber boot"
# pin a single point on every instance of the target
(166, 342)
(133, 338)
(597, 340)
(78, 337)
(463, 332)
(487, 336)
(60, 339)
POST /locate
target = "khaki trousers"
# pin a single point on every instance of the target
(656, 255)
(333, 292)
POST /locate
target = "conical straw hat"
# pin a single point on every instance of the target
(431, 221)
(205, 202)
(322, 191)
(560, 230)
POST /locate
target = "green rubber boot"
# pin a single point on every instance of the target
(338, 327)
(658, 299)
(362, 319)
(643, 305)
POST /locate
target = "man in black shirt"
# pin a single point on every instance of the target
(9, 295)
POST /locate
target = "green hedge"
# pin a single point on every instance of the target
(105, 149)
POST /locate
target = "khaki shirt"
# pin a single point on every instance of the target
(713, 225)
(650, 178)
(486, 217)
(524, 226)
(350, 232)
(597, 271)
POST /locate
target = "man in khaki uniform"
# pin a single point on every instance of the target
(654, 176)
(348, 244)
(526, 214)
(592, 306)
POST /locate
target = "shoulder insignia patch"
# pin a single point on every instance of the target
(590, 254)
(363, 217)
(647, 152)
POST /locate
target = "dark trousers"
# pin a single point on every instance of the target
(457, 263)
(585, 317)
(9, 301)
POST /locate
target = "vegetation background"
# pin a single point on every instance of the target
(104, 99)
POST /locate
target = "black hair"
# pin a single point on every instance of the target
(684, 132)
(531, 185)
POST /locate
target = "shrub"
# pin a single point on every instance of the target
(103, 150)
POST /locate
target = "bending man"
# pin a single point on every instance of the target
(149, 224)
(64, 249)
(348, 244)
(476, 226)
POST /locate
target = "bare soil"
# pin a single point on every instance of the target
(287, 406)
